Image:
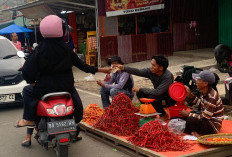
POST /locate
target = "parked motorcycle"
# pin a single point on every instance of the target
(223, 56)
(56, 127)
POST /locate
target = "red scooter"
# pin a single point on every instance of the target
(56, 127)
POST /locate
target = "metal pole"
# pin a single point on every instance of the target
(35, 31)
(97, 34)
(25, 40)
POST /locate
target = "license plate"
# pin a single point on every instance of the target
(61, 126)
(7, 98)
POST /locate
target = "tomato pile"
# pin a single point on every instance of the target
(92, 113)
(119, 118)
(155, 136)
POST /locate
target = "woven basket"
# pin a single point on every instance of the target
(203, 139)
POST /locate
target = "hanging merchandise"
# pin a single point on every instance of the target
(91, 51)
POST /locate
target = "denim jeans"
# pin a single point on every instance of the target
(107, 92)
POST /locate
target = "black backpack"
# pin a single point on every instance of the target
(186, 78)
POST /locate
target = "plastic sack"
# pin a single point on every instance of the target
(176, 126)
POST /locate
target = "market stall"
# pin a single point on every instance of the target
(124, 145)
(91, 51)
(17, 29)
(118, 126)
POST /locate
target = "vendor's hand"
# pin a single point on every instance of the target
(100, 83)
(33, 84)
(121, 67)
(105, 70)
(184, 113)
(135, 89)
(187, 89)
(189, 93)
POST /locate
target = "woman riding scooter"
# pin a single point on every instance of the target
(49, 69)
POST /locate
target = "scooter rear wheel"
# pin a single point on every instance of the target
(62, 150)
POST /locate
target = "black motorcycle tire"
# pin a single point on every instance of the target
(62, 150)
(222, 68)
(230, 97)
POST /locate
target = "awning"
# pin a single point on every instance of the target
(14, 28)
(41, 8)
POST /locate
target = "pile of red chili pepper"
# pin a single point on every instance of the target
(119, 118)
(92, 113)
(155, 136)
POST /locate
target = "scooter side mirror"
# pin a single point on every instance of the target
(21, 54)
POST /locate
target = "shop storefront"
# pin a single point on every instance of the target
(195, 24)
(174, 25)
(134, 30)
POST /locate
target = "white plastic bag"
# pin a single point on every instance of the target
(176, 126)
(190, 137)
(90, 78)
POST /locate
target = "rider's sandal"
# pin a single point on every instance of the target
(25, 123)
(26, 143)
(77, 138)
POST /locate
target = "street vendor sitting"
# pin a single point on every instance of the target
(120, 81)
(161, 79)
(209, 121)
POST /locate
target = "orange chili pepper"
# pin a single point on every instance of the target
(218, 139)
(92, 113)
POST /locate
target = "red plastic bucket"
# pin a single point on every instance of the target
(177, 91)
(174, 111)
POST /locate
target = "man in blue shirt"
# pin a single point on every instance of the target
(120, 81)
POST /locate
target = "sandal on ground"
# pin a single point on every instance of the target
(77, 138)
(26, 143)
(23, 123)
(165, 117)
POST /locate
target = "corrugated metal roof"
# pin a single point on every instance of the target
(53, 7)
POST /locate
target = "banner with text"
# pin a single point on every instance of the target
(123, 7)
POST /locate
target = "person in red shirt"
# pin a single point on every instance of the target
(17, 44)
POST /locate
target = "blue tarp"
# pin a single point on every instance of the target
(14, 28)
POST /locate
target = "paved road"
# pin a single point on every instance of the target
(10, 137)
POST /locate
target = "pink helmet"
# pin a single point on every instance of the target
(51, 27)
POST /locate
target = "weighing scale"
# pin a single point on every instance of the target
(147, 111)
